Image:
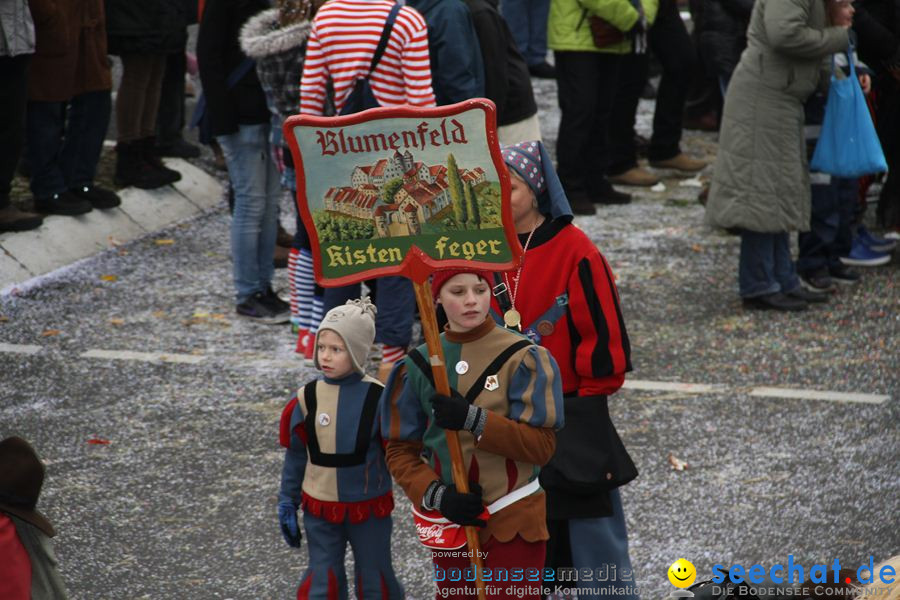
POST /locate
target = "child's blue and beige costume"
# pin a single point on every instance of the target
(334, 468)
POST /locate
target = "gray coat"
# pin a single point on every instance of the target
(761, 179)
(46, 582)
(16, 28)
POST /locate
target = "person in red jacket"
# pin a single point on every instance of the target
(28, 568)
(573, 311)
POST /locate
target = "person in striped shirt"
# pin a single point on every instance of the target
(342, 42)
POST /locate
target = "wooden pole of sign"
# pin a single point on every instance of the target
(442, 386)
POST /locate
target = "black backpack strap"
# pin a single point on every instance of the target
(501, 293)
(493, 368)
(385, 36)
(363, 432)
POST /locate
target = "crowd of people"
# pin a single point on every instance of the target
(57, 108)
(543, 457)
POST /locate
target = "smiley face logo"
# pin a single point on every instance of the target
(682, 573)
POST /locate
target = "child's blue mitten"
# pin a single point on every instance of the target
(287, 517)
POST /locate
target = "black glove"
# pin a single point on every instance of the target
(453, 412)
(463, 509)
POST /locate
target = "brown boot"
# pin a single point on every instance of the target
(218, 156)
(280, 258)
(680, 162)
(148, 153)
(284, 238)
(13, 219)
(635, 176)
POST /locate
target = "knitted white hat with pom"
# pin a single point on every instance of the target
(355, 323)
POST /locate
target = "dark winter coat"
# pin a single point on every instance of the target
(147, 26)
(506, 79)
(723, 34)
(457, 72)
(761, 178)
(218, 55)
(877, 24)
(70, 55)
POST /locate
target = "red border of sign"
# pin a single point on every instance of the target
(416, 264)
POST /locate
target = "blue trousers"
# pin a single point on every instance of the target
(64, 140)
(396, 304)
(829, 235)
(370, 541)
(257, 191)
(602, 544)
(765, 265)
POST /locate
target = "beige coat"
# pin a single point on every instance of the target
(761, 178)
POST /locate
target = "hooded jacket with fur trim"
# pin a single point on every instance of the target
(279, 53)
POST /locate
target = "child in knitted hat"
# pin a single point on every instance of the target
(505, 403)
(334, 465)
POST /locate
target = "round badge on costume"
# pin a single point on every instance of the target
(512, 318)
(324, 419)
(462, 367)
(545, 328)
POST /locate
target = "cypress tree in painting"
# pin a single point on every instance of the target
(472, 206)
(457, 193)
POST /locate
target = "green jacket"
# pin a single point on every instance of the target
(568, 28)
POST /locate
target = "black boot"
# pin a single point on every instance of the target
(98, 197)
(131, 170)
(581, 204)
(148, 153)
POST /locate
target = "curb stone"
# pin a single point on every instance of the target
(61, 241)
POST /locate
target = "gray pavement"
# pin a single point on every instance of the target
(181, 502)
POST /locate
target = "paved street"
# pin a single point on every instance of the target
(139, 347)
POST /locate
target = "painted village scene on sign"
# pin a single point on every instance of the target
(369, 191)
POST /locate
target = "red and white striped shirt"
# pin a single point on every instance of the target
(342, 42)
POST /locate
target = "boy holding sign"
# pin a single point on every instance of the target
(506, 421)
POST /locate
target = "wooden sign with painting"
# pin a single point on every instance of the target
(403, 191)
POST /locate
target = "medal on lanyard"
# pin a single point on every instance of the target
(512, 318)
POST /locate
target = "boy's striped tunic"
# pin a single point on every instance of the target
(523, 412)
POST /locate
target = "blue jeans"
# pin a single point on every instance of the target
(257, 189)
(396, 304)
(765, 265)
(600, 543)
(64, 145)
(829, 236)
(527, 20)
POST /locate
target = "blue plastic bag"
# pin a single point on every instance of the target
(848, 145)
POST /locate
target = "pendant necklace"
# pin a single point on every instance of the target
(512, 317)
